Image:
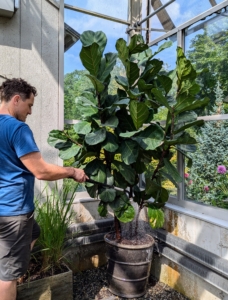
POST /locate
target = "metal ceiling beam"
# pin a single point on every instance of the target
(155, 12)
(213, 2)
(95, 14)
(162, 15)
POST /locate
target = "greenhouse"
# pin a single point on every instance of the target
(129, 104)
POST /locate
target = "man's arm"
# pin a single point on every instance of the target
(45, 171)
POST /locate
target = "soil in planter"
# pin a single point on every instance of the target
(35, 271)
(129, 236)
(126, 239)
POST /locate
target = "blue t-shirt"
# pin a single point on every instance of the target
(16, 181)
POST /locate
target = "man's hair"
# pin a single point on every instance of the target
(14, 86)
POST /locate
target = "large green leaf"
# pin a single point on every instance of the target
(156, 191)
(98, 85)
(110, 144)
(139, 113)
(109, 63)
(152, 69)
(129, 134)
(184, 67)
(89, 37)
(195, 123)
(129, 151)
(102, 209)
(96, 137)
(163, 47)
(91, 58)
(132, 72)
(160, 98)
(136, 44)
(82, 127)
(142, 57)
(134, 93)
(187, 148)
(166, 82)
(67, 153)
(150, 138)
(125, 214)
(89, 96)
(85, 107)
(108, 195)
(122, 81)
(126, 171)
(92, 190)
(143, 86)
(124, 101)
(172, 171)
(93, 167)
(185, 138)
(181, 107)
(109, 177)
(125, 121)
(55, 137)
(185, 117)
(156, 217)
(112, 122)
(119, 202)
(123, 51)
(85, 100)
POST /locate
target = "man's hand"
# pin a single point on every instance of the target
(79, 175)
(45, 171)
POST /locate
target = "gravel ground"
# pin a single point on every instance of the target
(92, 285)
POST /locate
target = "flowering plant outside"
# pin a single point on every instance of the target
(206, 188)
(221, 169)
(213, 192)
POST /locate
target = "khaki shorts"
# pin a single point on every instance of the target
(16, 235)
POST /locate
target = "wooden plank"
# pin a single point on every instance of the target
(56, 287)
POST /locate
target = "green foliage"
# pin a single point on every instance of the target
(204, 183)
(208, 50)
(121, 125)
(53, 214)
(74, 84)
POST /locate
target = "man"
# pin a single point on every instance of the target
(20, 163)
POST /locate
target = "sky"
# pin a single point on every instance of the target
(180, 11)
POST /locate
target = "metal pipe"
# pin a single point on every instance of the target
(153, 13)
(95, 14)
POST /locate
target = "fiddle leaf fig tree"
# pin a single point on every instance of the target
(117, 136)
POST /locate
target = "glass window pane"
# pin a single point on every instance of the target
(82, 22)
(114, 8)
(207, 179)
(206, 45)
(75, 80)
(177, 13)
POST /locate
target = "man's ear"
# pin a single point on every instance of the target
(15, 99)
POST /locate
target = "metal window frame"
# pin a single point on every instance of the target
(214, 212)
(205, 210)
(185, 25)
(95, 14)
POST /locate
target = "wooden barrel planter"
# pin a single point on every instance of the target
(128, 268)
(57, 287)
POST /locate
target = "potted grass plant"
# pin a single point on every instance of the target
(48, 276)
(118, 137)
